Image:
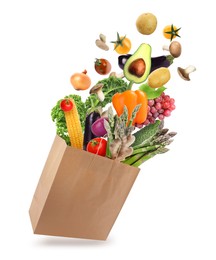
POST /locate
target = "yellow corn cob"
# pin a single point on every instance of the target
(74, 127)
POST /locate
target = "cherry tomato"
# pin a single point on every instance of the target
(80, 81)
(97, 146)
(122, 45)
(66, 105)
(102, 66)
(170, 32)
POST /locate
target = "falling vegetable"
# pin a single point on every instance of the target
(174, 48)
(117, 75)
(170, 32)
(159, 77)
(146, 23)
(122, 59)
(102, 37)
(122, 45)
(101, 43)
(151, 93)
(184, 73)
(73, 122)
(102, 66)
(137, 67)
(131, 99)
(80, 81)
(156, 62)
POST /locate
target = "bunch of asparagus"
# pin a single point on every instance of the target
(150, 141)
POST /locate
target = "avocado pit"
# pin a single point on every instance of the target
(137, 67)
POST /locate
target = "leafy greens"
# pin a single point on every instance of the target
(111, 86)
(58, 116)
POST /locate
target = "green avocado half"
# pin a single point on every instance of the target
(137, 67)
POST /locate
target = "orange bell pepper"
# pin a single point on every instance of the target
(131, 99)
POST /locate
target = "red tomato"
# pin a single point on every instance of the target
(102, 66)
(66, 105)
(97, 146)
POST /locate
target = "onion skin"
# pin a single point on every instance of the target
(98, 128)
(80, 81)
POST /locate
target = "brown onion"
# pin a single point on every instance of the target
(80, 81)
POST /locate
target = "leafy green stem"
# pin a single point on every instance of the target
(130, 84)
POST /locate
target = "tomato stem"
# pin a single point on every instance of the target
(94, 142)
(97, 62)
(119, 41)
(173, 32)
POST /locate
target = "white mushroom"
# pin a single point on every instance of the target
(117, 75)
(174, 48)
(184, 73)
(97, 89)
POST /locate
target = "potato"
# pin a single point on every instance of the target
(159, 77)
(146, 23)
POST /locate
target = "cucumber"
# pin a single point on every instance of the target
(145, 134)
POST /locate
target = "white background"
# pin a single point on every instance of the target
(171, 210)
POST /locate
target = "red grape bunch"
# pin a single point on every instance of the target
(159, 108)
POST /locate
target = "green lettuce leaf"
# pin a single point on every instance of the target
(152, 93)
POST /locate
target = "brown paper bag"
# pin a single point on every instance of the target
(79, 194)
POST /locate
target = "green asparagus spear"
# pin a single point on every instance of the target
(145, 149)
(148, 156)
(133, 158)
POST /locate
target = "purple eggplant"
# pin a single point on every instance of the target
(88, 135)
(122, 59)
(161, 61)
(156, 62)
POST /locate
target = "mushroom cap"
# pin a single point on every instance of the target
(183, 74)
(96, 88)
(112, 74)
(175, 49)
(117, 75)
